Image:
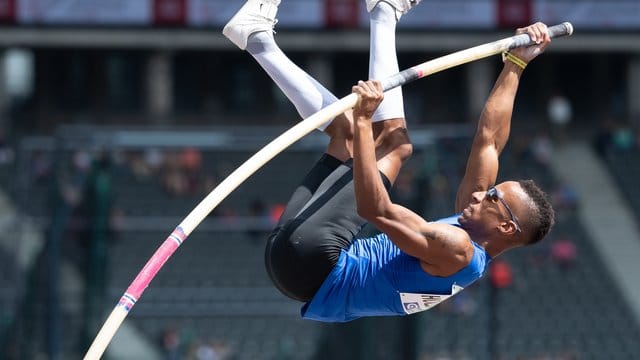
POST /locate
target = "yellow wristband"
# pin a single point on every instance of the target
(514, 59)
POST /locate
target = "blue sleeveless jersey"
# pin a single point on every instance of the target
(375, 278)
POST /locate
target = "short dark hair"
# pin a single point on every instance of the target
(542, 218)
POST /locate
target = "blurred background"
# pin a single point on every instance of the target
(117, 117)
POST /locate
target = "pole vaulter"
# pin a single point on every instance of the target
(201, 211)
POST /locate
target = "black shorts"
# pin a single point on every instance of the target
(319, 221)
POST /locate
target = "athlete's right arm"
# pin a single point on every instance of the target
(443, 249)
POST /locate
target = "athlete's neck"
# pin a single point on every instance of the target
(494, 247)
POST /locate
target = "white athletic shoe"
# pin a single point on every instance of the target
(253, 16)
(401, 6)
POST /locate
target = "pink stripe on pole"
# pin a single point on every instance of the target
(151, 268)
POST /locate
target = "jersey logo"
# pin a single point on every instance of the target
(413, 303)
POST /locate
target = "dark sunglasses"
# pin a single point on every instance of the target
(493, 194)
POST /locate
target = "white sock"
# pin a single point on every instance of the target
(306, 94)
(383, 61)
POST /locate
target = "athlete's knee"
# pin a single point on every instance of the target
(393, 140)
(341, 127)
(403, 151)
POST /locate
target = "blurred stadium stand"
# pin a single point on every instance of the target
(215, 290)
(625, 167)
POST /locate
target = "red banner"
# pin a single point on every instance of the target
(170, 12)
(514, 13)
(342, 13)
(7, 11)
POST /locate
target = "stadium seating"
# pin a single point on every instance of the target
(625, 168)
(215, 288)
(546, 312)
(8, 291)
(215, 291)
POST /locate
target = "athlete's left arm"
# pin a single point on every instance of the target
(443, 249)
(495, 121)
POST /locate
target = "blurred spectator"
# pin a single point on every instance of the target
(565, 197)
(72, 185)
(560, 112)
(191, 159)
(154, 160)
(614, 135)
(171, 344)
(174, 178)
(71, 193)
(191, 162)
(139, 167)
(182, 173)
(206, 352)
(40, 166)
(542, 148)
(82, 161)
(276, 212)
(500, 274)
(623, 138)
(175, 182)
(563, 252)
(146, 164)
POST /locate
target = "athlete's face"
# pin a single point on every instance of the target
(495, 208)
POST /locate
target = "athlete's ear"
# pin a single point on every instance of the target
(508, 227)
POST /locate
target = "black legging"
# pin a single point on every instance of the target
(319, 221)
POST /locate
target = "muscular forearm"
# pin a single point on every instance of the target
(371, 195)
(495, 121)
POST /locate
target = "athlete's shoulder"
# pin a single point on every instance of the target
(450, 246)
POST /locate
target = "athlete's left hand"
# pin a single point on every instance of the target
(540, 35)
(370, 95)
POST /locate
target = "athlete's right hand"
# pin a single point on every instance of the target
(370, 95)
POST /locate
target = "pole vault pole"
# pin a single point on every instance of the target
(197, 215)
